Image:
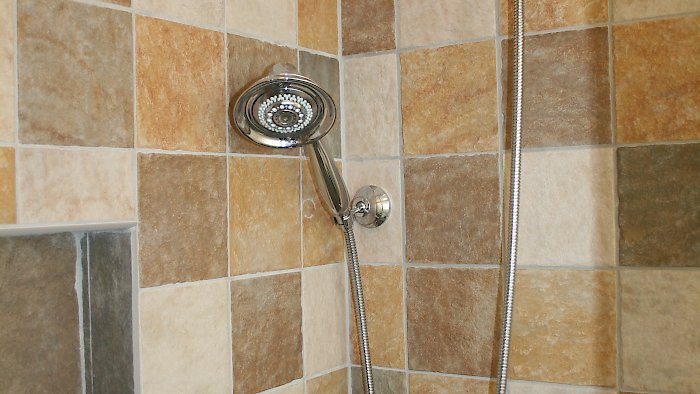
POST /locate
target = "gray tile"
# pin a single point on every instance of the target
(385, 382)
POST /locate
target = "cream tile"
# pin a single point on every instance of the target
(185, 339)
(371, 107)
(210, 12)
(8, 213)
(324, 318)
(632, 9)
(75, 185)
(383, 244)
(7, 67)
(544, 388)
(273, 20)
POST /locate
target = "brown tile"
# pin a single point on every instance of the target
(7, 71)
(330, 383)
(383, 291)
(39, 314)
(265, 217)
(318, 25)
(368, 26)
(434, 384)
(8, 211)
(452, 320)
(273, 20)
(441, 227)
(179, 87)
(266, 316)
(323, 239)
(659, 208)
(126, 3)
(385, 381)
(552, 14)
(633, 9)
(657, 80)
(182, 206)
(567, 91)
(75, 74)
(564, 327)
(248, 61)
(444, 109)
(660, 336)
(209, 12)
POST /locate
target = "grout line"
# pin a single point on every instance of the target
(80, 298)
(236, 278)
(260, 38)
(202, 282)
(447, 266)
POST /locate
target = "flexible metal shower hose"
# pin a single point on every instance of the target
(518, 31)
(360, 315)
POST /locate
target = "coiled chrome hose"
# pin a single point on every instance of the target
(360, 315)
(518, 31)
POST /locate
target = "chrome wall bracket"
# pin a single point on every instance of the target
(371, 206)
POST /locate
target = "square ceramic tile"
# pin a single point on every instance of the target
(185, 345)
(318, 25)
(210, 12)
(271, 20)
(385, 381)
(551, 14)
(634, 9)
(75, 74)
(368, 26)
(7, 71)
(546, 388)
(331, 383)
(420, 383)
(8, 209)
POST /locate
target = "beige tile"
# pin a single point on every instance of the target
(264, 214)
(125, 3)
(371, 106)
(292, 388)
(210, 12)
(546, 388)
(75, 185)
(633, 9)
(184, 336)
(318, 25)
(419, 383)
(271, 20)
(444, 109)
(382, 244)
(551, 14)
(368, 26)
(330, 383)
(8, 212)
(7, 70)
(564, 327)
(660, 336)
(425, 23)
(325, 71)
(567, 208)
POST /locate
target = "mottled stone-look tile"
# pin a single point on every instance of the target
(548, 388)
(125, 3)
(75, 185)
(434, 384)
(564, 327)
(552, 14)
(326, 73)
(385, 381)
(660, 337)
(273, 20)
(567, 208)
(265, 217)
(180, 101)
(291, 388)
(323, 239)
(75, 74)
(444, 109)
(324, 318)
(371, 105)
(267, 330)
(452, 320)
(657, 80)
(441, 227)
(248, 61)
(633, 9)
(383, 293)
(368, 26)
(182, 207)
(331, 383)
(383, 244)
(318, 25)
(567, 91)
(8, 211)
(210, 12)
(39, 313)
(7, 70)
(425, 23)
(185, 343)
(659, 209)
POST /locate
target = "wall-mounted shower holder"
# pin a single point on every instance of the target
(371, 206)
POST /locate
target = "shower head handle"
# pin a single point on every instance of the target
(330, 184)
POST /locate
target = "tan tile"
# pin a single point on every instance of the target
(126, 3)
(7, 70)
(323, 239)
(185, 344)
(179, 87)
(385, 381)
(75, 185)
(444, 109)
(452, 320)
(442, 228)
(371, 105)
(434, 384)
(657, 80)
(383, 291)
(564, 327)
(266, 316)
(8, 212)
(330, 383)
(382, 244)
(75, 74)
(567, 208)
(292, 388)
(272, 20)
(324, 318)
(265, 217)
(425, 23)
(318, 25)
(660, 337)
(368, 26)
(548, 388)
(210, 12)
(551, 14)
(633, 9)
(325, 71)
(182, 207)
